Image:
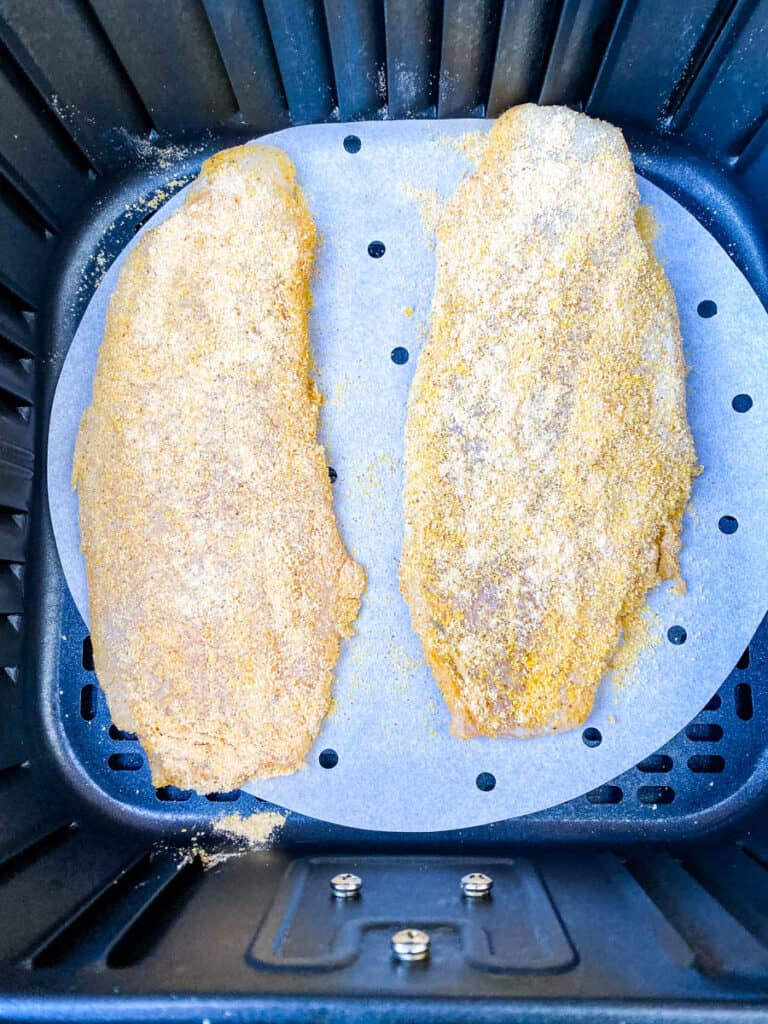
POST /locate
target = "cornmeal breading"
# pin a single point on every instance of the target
(219, 587)
(548, 456)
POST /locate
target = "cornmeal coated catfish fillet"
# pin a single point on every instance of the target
(219, 587)
(548, 456)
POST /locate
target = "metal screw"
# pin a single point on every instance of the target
(345, 885)
(410, 944)
(476, 884)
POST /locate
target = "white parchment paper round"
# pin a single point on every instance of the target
(399, 769)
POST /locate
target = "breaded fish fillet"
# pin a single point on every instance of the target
(219, 587)
(548, 456)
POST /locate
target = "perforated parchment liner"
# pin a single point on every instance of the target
(398, 768)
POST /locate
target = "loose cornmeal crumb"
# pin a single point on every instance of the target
(471, 144)
(640, 629)
(646, 224)
(257, 830)
(548, 457)
(430, 205)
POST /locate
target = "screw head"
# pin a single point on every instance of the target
(476, 884)
(410, 944)
(346, 885)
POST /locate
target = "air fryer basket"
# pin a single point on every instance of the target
(646, 897)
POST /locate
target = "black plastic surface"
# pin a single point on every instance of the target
(107, 911)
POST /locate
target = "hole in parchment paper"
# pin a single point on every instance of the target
(352, 143)
(676, 635)
(328, 758)
(706, 309)
(742, 696)
(88, 702)
(742, 403)
(656, 764)
(704, 732)
(728, 524)
(376, 250)
(706, 763)
(88, 664)
(655, 794)
(592, 737)
(743, 661)
(605, 795)
(399, 355)
(333, 474)
(125, 762)
(485, 782)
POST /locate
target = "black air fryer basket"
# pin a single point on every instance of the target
(646, 899)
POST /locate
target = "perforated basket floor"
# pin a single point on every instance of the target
(705, 775)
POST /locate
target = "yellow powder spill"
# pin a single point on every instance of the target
(646, 224)
(640, 629)
(252, 833)
(471, 144)
(340, 391)
(430, 205)
(256, 831)
(408, 310)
